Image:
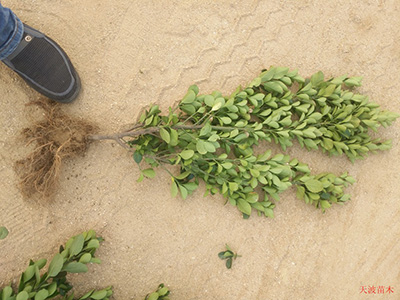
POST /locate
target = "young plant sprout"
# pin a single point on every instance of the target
(228, 255)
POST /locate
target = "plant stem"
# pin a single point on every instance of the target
(151, 130)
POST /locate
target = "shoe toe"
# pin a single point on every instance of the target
(44, 65)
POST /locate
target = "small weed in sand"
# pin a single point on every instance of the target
(228, 255)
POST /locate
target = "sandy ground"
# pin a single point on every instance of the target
(133, 53)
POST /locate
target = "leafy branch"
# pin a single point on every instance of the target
(73, 258)
(211, 137)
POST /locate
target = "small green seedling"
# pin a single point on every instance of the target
(161, 293)
(228, 255)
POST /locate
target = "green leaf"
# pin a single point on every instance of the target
(370, 123)
(229, 263)
(189, 97)
(265, 156)
(233, 186)
(165, 135)
(174, 189)
(90, 234)
(187, 154)
(93, 244)
(87, 295)
(42, 295)
(353, 82)
(182, 175)
(328, 143)
(350, 179)
(244, 206)
(228, 253)
(224, 188)
(280, 72)
(163, 291)
(234, 133)
(226, 120)
(310, 144)
(184, 191)
(205, 131)
(188, 108)
(142, 117)
(3, 232)
(300, 192)
(95, 260)
(209, 100)
(99, 295)
(252, 197)
(209, 147)
(148, 120)
(141, 177)
(216, 106)
(6, 293)
(314, 185)
(214, 138)
(153, 296)
(52, 288)
(256, 82)
(77, 245)
(276, 170)
(227, 165)
(29, 273)
(303, 168)
(325, 204)
(200, 147)
(149, 173)
(317, 78)
(267, 75)
(154, 110)
(22, 296)
(221, 255)
(338, 80)
(268, 212)
(273, 87)
(174, 137)
(55, 265)
(85, 258)
(41, 263)
(329, 90)
(75, 267)
(325, 196)
(191, 186)
(194, 88)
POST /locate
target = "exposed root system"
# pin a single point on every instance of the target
(55, 139)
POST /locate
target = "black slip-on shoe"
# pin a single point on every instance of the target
(44, 65)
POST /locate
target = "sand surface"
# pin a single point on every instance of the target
(133, 53)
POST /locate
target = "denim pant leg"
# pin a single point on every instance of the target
(11, 31)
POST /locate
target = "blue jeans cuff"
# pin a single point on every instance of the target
(14, 40)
